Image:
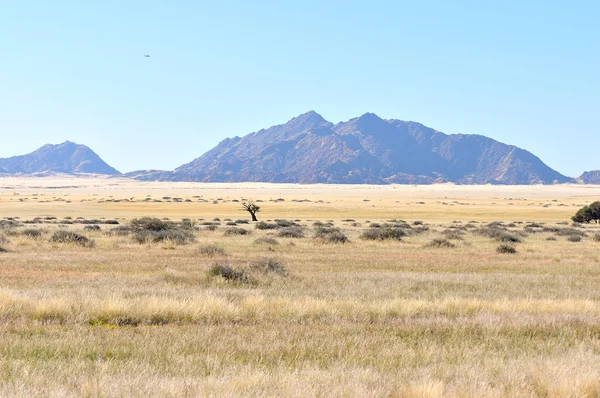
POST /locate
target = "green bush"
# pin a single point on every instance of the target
(586, 214)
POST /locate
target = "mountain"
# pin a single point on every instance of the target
(366, 149)
(67, 157)
(590, 177)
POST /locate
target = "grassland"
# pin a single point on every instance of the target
(363, 318)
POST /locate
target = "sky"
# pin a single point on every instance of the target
(525, 73)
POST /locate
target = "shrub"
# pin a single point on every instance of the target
(3, 240)
(237, 231)
(291, 232)
(177, 237)
(505, 248)
(71, 237)
(211, 227)
(121, 230)
(263, 225)
(330, 235)
(588, 213)
(265, 240)
(3, 250)
(212, 250)
(507, 237)
(91, 228)
(596, 237)
(148, 224)
(228, 272)
(441, 243)
(574, 238)
(242, 221)
(32, 233)
(383, 234)
(270, 265)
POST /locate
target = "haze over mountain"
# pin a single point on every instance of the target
(67, 157)
(366, 149)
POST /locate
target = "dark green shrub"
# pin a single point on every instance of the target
(586, 214)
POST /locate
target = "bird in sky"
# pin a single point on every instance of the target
(146, 56)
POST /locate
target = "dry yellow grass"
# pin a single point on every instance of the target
(366, 318)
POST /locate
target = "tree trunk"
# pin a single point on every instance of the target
(253, 216)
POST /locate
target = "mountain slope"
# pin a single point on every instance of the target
(590, 177)
(366, 149)
(67, 157)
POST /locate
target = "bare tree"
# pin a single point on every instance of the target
(251, 208)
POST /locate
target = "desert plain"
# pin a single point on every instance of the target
(341, 290)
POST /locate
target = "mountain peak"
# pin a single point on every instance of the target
(307, 120)
(67, 157)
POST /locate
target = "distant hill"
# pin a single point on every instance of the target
(67, 157)
(366, 149)
(590, 177)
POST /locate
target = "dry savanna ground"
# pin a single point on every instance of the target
(392, 291)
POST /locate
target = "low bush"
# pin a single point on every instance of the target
(265, 240)
(596, 237)
(237, 231)
(574, 238)
(32, 233)
(91, 228)
(177, 237)
(211, 227)
(508, 237)
(291, 232)
(71, 237)
(330, 235)
(440, 243)
(269, 265)
(505, 248)
(264, 225)
(211, 250)
(383, 234)
(149, 224)
(228, 272)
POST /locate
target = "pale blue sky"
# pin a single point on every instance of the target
(522, 72)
